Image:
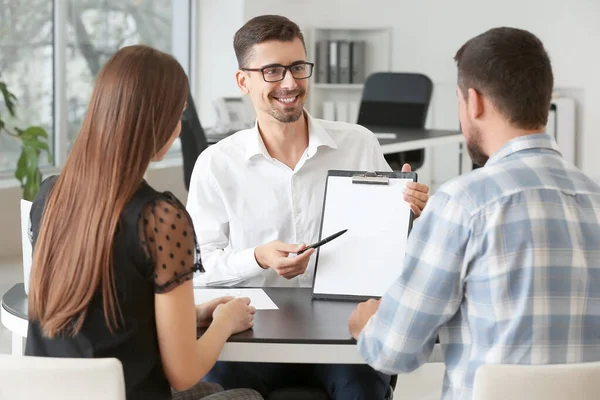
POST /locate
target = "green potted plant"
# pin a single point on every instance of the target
(33, 141)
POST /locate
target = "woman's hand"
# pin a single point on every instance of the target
(204, 311)
(236, 314)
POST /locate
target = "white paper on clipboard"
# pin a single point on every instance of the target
(367, 259)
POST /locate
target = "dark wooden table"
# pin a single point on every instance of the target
(302, 330)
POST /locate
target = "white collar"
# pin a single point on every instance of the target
(317, 137)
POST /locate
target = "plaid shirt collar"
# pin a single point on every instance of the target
(540, 141)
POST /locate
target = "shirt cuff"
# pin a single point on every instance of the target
(364, 341)
(245, 263)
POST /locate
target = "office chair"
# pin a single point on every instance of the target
(301, 393)
(193, 140)
(397, 100)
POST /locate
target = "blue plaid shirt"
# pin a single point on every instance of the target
(504, 264)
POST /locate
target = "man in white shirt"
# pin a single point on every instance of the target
(255, 197)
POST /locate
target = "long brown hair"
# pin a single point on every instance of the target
(136, 103)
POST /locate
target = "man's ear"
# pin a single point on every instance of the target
(475, 104)
(242, 81)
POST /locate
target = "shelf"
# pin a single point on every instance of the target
(341, 86)
(376, 43)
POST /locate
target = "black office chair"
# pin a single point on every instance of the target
(395, 99)
(193, 140)
(302, 393)
(298, 393)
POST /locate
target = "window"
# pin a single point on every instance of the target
(51, 51)
(26, 65)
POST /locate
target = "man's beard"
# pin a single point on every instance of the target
(288, 114)
(474, 148)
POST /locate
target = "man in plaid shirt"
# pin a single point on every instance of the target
(504, 263)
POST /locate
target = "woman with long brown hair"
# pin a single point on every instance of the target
(113, 257)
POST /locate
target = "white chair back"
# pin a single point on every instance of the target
(538, 382)
(25, 243)
(61, 378)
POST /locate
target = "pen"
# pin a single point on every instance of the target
(322, 242)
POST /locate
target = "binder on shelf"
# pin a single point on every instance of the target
(363, 262)
(357, 63)
(344, 61)
(333, 76)
(322, 61)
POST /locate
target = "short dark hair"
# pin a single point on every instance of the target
(511, 67)
(261, 29)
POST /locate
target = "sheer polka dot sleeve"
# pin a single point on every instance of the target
(168, 239)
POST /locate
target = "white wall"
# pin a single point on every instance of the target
(427, 33)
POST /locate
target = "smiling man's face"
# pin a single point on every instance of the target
(283, 100)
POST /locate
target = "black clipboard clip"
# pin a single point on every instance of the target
(371, 178)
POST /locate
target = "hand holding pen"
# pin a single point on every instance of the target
(275, 255)
(323, 241)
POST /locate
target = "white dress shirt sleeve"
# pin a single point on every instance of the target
(223, 266)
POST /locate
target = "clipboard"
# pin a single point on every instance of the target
(362, 263)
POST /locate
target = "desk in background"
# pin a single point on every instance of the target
(413, 139)
(405, 138)
(213, 136)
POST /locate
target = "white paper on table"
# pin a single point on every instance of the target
(258, 298)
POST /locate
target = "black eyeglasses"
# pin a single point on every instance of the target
(276, 72)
